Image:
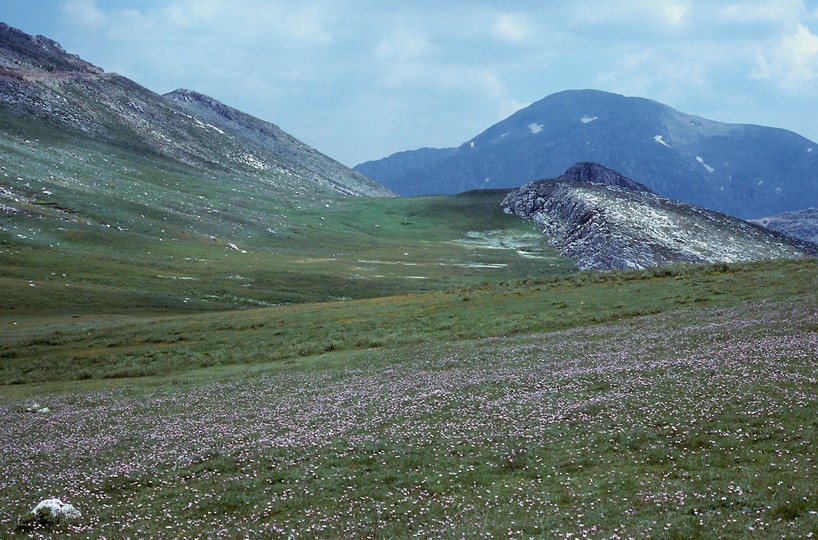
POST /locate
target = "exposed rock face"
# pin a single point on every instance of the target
(743, 170)
(594, 216)
(597, 174)
(24, 55)
(802, 224)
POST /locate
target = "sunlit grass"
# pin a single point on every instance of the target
(87, 346)
(232, 354)
(697, 422)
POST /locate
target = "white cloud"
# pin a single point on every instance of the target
(790, 62)
(511, 28)
(651, 73)
(402, 47)
(309, 25)
(646, 14)
(767, 12)
(192, 14)
(84, 12)
(674, 14)
(438, 73)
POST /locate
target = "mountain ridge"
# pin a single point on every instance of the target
(40, 80)
(740, 169)
(269, 136)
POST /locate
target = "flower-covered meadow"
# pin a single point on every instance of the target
(698, 422)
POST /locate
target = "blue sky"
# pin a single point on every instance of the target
(361, 79)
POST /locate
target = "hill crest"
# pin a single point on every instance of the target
(601, 221)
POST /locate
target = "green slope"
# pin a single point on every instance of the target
(93, 228)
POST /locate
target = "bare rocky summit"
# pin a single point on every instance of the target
(605, 220)
(25, 55)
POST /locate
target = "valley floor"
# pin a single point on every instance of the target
(695, 422)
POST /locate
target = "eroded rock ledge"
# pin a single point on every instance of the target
(607, 221)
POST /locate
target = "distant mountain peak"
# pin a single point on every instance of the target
(740, 169)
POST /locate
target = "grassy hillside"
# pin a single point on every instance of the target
(58, 347)
(380, 368)
(340, 249)
(90, 228)
(675, 403)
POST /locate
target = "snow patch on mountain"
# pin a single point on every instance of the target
(658, 139)
(535, 128)
(705, 165)
(588, 119)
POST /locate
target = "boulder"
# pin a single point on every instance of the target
(597, 174)
(57, 509)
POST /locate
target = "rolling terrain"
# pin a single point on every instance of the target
(116, 198)
(742, 170)
(227, 334)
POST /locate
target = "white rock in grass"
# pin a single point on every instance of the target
(58, 509)
(36, 408)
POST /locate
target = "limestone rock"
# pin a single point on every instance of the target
(606, 221)
(57, 509)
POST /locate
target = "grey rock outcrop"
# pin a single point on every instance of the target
(595, 173)
(57, 509)
(802, 224)
(596, 216)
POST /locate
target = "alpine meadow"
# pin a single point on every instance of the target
(212, 330)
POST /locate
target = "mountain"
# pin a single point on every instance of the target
(605, 220)
(743, 170)
(802, 224)
(265, 138)
(41, 82)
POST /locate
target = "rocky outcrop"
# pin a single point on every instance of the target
(23, 54)
(802, 224)
(597, 174)
(47, 514)
(594, 215)
(57, 509)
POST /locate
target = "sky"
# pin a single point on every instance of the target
(362, 79)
